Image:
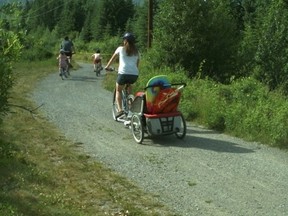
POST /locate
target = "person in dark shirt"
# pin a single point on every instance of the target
(68, 47)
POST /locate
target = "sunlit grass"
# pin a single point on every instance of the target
(42, 173)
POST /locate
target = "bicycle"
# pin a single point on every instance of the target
(69, 65)
(127, 100)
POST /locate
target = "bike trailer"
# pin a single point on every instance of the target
(163, 124)
(155, 111)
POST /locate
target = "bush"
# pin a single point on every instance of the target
(202, 102)
(247, 92)
(6, 82)
(41, 45)
(11, 47)
(245, 108)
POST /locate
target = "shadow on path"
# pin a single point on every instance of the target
(192, 141)
(83, 78)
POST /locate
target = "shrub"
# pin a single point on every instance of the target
(246, 94)
(11, 47)
(246, 108)
(202, 102)
(40, 45)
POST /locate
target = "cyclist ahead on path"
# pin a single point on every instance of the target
(97, 58)
(68, 46)
(128, 71)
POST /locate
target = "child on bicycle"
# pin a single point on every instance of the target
(62, 63)
(97, 59)
(128, 71)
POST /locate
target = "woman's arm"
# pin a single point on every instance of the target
(111, 60)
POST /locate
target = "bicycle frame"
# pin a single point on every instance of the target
(68, 66)
(63, 73)
(127, 99)
(98, 68)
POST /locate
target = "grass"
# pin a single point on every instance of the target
(42, 173)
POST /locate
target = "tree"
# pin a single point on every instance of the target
(90, 28)
(66, 23)
(43, 13)
(116, 13)
(196, 33)
(95, 21)
(254, 11)
(140, 23)
(272, 50)
(86, 33)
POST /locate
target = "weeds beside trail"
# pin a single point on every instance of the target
(43, 174)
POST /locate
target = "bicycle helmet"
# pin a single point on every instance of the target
(129, 37)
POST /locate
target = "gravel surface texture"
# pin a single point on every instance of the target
(207, 173)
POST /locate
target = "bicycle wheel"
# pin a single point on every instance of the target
(61, 73)
(68, 69)
(137, 128)
(114, 106)
(181, 133)
(130, 99)
(98, 70)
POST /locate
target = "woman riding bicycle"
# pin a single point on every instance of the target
(128, 67)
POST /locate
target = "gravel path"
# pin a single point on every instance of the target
(206, 174)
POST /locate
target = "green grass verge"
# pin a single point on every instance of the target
(42, 173)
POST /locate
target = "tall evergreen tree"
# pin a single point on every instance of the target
(116, 13)
(140, 24)
(66, 22)
(44, 13)
(95, 21)
(86, 32)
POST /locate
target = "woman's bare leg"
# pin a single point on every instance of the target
(119, 96)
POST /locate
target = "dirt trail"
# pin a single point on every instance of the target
(206, 174)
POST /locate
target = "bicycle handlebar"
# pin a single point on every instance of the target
(109, 69)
